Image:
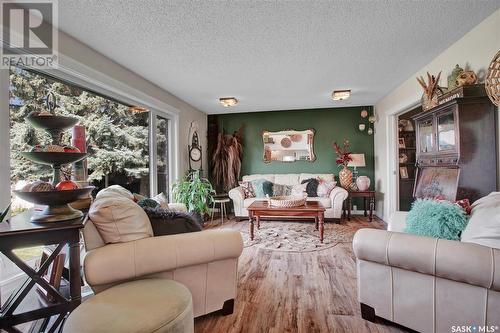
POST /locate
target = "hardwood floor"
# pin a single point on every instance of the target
(295, 292)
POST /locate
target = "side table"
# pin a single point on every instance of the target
(221, 200)
(368, 201)
(20, 232)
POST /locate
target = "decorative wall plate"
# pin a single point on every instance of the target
(286, 143)
(492, 82)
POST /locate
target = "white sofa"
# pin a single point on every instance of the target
(333, 204)
(429, 284)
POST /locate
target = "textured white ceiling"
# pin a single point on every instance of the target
(272, 55)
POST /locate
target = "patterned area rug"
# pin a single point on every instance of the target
(298, 236)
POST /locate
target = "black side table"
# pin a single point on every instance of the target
(368, 200)
(19, 232)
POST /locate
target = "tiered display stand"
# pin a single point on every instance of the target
(57, 202)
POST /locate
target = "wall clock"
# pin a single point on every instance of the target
(194, 152)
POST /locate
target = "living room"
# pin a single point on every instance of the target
(250, 166)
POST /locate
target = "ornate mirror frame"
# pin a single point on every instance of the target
(288, 146)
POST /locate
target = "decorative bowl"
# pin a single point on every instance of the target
(287, 201)
(54, 125)
(55, 198)
(57, 204)
(53, 158)
(52, 122)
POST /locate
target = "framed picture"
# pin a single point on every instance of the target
(401, 143)
(437, 182)
(403, 172)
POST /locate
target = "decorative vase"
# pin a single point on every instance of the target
(345, 177)
(363, 183)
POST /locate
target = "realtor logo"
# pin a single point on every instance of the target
(28, 35)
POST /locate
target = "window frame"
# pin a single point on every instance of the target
(153, 113)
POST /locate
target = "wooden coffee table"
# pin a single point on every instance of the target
(312, 209)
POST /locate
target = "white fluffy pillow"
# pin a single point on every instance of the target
(325, 187)
(299, 189)
(119, 219)
(484, 224)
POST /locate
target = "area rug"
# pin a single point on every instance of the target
(298, 236)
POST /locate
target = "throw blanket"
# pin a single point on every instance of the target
(168, 222)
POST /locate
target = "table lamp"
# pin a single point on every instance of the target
(358, 160)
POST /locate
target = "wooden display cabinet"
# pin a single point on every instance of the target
(461, 133)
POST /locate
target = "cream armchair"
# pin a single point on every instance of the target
(205, 262)
(426, 284)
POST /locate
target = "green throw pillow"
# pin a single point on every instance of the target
(261, 187)
(258, 188)
(439, 219)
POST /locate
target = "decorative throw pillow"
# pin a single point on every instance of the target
(463, 203)
(267, 187)
(484, 224)
(257, 188)
(138, 197)
(146, 202)
(311, 187)
(324, 188)
(162, 200)
(115, 191)
(432, 218)
(282, 190)
(119, 219)
(298, 189)
(168, 222)
(247, 189)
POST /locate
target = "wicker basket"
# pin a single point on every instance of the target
(492, 82)
(287, 201)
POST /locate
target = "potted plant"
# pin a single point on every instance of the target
(4, 214)
(196, 193)
(343, 159)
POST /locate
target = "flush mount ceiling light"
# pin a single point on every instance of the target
(340, 95)
(137, 109)
(228, 101)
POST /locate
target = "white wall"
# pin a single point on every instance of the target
(475, 49)
(84, 63)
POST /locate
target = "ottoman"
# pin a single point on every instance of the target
(149, 305)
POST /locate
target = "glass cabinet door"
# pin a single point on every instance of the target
(426, 136)
(446, 132)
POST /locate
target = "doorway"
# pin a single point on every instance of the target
(406, 158)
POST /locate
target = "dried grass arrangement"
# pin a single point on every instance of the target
(431, 89)
(226, 160)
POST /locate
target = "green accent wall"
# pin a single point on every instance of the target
(330, 125)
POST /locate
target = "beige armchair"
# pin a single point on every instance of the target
(426, 284)
(205, 262)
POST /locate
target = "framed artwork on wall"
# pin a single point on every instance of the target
(401, 143)
(288, 146)
(403, 172)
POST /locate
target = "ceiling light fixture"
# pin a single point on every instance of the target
(340, 95)
(228, 101)
(137, 109)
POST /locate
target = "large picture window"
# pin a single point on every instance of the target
(118, 137)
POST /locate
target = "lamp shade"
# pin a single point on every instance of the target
(358, 160)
